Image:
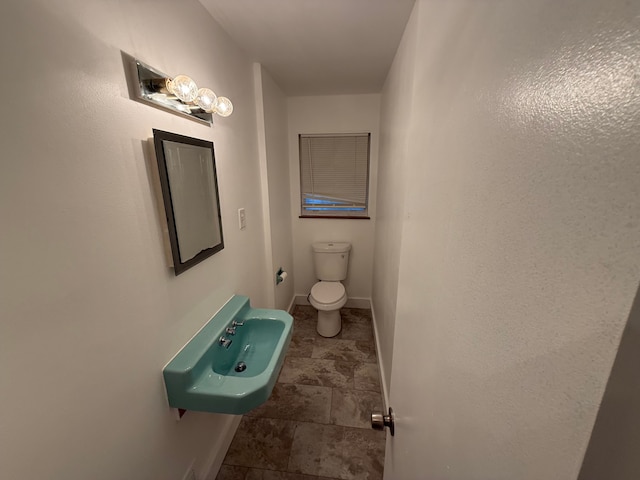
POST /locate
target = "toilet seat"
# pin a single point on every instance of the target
(328, 295)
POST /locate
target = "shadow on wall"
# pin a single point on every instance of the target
(615, 440)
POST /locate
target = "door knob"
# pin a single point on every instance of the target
(380, 420)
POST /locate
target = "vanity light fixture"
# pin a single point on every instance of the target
(178, 94)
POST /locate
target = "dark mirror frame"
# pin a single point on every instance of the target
(159, 137)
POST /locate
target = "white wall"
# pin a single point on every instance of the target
(333, 114)
(520, 250)
(395, 114)
(89, 310)
(274, 158)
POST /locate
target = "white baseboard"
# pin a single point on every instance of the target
(292, 304)
(218, 452)
(301, 300)
(356, 302)
(385, 391)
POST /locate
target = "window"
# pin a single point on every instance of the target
(334, 175)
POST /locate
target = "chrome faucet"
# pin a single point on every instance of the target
(225, 342)
(230, 331)
(237, 324)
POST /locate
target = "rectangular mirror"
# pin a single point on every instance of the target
(189, 184)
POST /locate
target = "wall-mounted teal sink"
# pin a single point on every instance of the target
(209, 377)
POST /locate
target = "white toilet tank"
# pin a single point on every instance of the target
(330, 260)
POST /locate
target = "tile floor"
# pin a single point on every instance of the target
(316, 424)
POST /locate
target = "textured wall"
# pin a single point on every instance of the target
(520, 249)
(275, 178)
(89, 310)
(395, 116)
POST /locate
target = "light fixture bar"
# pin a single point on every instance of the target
(178, 95)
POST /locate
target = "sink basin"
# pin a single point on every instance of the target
(205, 376)
(254, 345)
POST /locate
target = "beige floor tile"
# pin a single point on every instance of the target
(353, 408)
(255, 474)
(304, 403)
(301, 346)
(344, 350)
(355, 315)
(338, 452)
(305, 329)
(230, 472)
(362, 331)
(261, 443)
(310, 371)
(304, 312)
(366, 376)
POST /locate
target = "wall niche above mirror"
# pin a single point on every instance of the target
(189, 183)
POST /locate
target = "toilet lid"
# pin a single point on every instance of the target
(327, 292)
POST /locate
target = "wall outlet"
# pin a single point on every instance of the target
(242, 219)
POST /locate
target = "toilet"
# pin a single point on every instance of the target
(328, 296)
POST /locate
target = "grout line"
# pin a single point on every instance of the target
(286, 471)
(331, 407)
(293, 439)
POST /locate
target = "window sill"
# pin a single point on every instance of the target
(339, 217)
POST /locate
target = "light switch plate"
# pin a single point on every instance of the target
(242, 219)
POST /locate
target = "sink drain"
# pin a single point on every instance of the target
(241, 367)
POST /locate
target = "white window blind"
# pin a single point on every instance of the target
(334, 174)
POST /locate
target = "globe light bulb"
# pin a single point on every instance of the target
(206, 100)
(224, 107)
(183, 87)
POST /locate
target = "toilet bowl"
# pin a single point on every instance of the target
(328, 298)
(331, 261)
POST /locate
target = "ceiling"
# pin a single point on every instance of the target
(317, 47)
